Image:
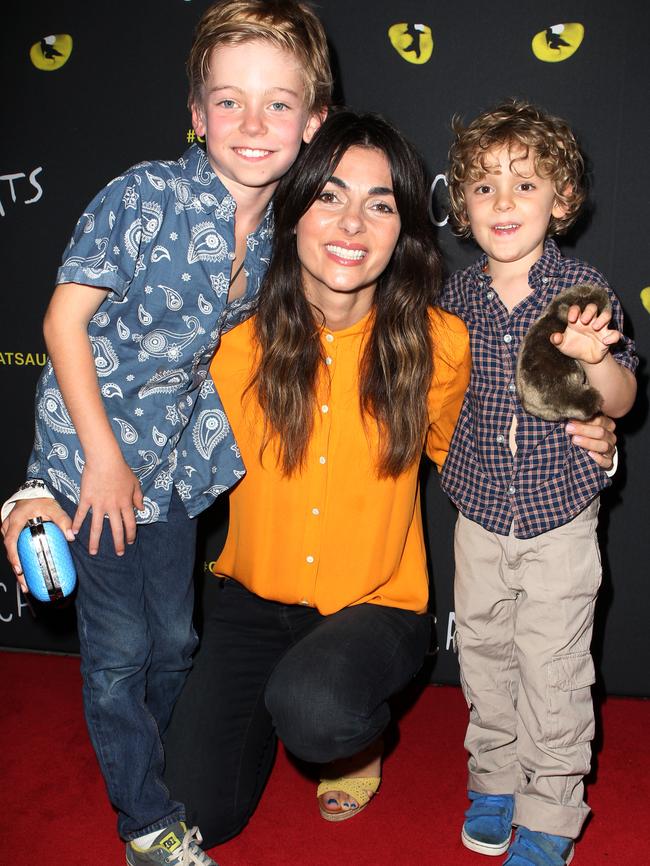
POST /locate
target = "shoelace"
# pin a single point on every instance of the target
(189, 854)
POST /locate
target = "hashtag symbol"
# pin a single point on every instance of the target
(191, 135)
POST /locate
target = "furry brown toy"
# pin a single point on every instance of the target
(549, 384)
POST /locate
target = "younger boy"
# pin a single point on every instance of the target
(527, 559)
(165, 259)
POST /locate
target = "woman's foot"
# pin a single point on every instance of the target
(349, 785)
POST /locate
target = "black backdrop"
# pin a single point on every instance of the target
(120, 98)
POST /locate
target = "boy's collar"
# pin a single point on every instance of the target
(213, 194)
(546, 265)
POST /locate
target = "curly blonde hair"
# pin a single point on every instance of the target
(521, 127)
(286, 24)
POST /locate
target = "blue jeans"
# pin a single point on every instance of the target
(265, 670)
(136, 638)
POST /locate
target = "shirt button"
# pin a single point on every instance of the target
(512, 387)
(490, 295)
(507, 338)
(232, 256)
(545, 280)
(304, 602)
(315, 512)
(328, 360)
(329, 338)
(310, 559)
(501, 439)
(322, 459)
(325, 408)
(511, 491)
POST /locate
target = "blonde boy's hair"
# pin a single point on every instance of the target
(287, 24)
(522, 128)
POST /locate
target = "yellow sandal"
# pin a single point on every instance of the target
(361, 788)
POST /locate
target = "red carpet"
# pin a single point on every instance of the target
(55, 810)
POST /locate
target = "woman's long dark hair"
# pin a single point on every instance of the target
(396, 366)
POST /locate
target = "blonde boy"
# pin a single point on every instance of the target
(527, 560)
(129, 427)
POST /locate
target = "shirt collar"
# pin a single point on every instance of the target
(358, 328)
(547, 265)
(213, 194)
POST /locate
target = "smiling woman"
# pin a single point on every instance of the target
(349, 372)
(347, 237)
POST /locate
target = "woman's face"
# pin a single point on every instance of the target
(347, 237)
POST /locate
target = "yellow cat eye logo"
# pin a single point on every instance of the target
(645, 298)
(413, 42)
(52, 52)
(558, 42)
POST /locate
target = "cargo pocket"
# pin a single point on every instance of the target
(570, 715)
(457, 643)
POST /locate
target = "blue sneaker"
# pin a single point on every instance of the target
(488, 823)
(531, 848)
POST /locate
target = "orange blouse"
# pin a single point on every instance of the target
(333, 534)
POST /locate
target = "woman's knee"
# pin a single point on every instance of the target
(319, 721)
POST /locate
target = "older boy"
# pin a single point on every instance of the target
(165, 259)
(527, 560)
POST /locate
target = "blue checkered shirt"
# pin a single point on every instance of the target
(549, 480)
(161, 238)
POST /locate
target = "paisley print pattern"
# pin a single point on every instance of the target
(211, 427)
(160, 239)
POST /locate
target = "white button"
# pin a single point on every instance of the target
(511, 491)
(329, 338)
(304, 602)
(545, 279)
(232, 256)
(500, 439)
(507, 338)
(315, 512)
(490, 295)
(322, 459)
(328, 360)
(325, 408)
(512, 387)
(310, 559)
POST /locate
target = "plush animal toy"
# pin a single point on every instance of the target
(549, 384)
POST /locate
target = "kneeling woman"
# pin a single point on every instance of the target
(333, 389)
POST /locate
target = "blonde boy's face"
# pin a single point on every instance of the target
(509, 209)
(253, 115)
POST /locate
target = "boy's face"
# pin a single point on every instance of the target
(509, 209)
(253, 115)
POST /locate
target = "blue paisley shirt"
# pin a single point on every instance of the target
(161, 238)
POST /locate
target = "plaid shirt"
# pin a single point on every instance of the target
(549, 480)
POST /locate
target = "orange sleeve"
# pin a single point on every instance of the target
(452, 366)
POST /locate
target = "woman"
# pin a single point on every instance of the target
(348, 371)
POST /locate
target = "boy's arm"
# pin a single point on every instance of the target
(588, 339)
(108, 486)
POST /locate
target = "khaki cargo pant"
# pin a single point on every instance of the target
(524, 621)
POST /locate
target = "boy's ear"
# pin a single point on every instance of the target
(313, 124)
(198, 120)
(559, 207)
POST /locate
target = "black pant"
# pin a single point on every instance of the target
(267, 670)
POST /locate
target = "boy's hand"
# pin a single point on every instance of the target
(597, 437)
(110, 489)
(587, 337)
(16, 520)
